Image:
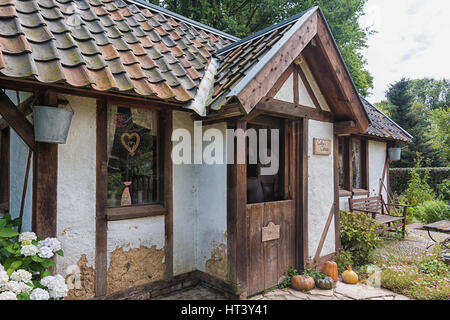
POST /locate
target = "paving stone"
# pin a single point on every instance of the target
(327, 293)
(298, 294)
(361, 292)
(258, 297)
(401, 297)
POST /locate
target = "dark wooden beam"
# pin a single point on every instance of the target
(46, 182)
(4, 166)
(337, 217)
(236, 219)
(284, 109)
(16, 120)
(345, 128)
(302, 224)
(168, 195)
(327, 45)
(260, 85)
(101, 223)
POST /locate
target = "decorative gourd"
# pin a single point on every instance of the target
(325, 283)
(302, 283)
(349, 276)
(330, 269)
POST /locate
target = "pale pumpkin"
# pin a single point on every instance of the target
(330, 269)
(349, 276)
(302, 283)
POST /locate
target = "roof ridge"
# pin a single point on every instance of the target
(197, 24)
(263, 32)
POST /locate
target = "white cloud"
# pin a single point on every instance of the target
(412, 40)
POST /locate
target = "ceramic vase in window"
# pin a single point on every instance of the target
(126, 196)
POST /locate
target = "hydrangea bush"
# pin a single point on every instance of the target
(25, 260)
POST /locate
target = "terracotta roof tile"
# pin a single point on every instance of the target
(105, 45)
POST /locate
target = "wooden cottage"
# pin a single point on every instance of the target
(134, 224)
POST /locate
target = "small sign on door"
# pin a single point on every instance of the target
(271, 232)
(322, 147)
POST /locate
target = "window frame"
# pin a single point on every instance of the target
(159, 208)
(347, 188)
(4, 169)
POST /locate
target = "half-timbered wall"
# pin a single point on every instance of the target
(320, 190)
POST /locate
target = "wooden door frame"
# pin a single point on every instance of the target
(237, 204)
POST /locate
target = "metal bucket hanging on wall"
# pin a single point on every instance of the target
(51, 125)
(395, 154)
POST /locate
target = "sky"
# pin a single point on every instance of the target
(412, 41)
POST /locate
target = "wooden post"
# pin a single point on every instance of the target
(101, 224)
(168, 198)
(237, 220)
(302, 222)
(337, 217)
(45, 182)
(4, 167)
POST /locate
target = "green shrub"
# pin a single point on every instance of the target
(343, 259)
(432, 211)
(443, 190)
(287, 281)
(419, 190)
(358, 236)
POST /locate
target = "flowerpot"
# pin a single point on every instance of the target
(51, 125)
(395, 154)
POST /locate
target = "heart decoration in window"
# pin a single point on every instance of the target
(130, 142)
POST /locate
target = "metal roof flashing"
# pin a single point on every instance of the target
(183, 18)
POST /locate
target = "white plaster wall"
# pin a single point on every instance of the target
(77, 186)
(212, 205)
(199, 205)
(286, 93)
(320, 189)
(184, 206)
(132, 234)
(377, 159)
(17, 165)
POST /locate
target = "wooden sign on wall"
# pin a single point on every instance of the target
(322, 147)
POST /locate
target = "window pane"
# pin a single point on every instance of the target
(132, 157)
(356, 154)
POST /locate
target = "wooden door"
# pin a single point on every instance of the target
(269, 260)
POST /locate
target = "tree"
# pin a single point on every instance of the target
(245, 17)
(439, 133)
(434, 93)
(412, 116)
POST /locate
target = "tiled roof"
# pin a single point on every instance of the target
(106, 45)
(382, 126)
(236, 60)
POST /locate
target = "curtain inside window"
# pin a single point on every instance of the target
(146, 119)
(112, 121)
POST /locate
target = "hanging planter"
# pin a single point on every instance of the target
(395, 154)
(51, 125)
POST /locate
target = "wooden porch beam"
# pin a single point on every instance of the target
(345, 128)
(284, 109)
(16, 120)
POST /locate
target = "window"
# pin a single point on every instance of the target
(353, 165)
(265, 188)
(133, 157)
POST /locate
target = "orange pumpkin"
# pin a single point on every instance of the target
(302, 283)
(349, 276)
(330, 269)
